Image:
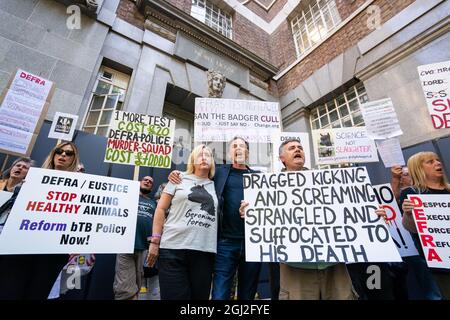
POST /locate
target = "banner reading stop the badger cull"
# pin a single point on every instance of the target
(314, 216)
(432, 217)
(66, 212)
(140, 140)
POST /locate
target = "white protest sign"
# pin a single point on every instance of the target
(432, 218)
(315, 216)
(29, 85)
(220, 120)
(4, 196)
(401, 237)
(333, 146)
(140, 140)
(380, 119)
(63, 126)
(390, 152)
(14, 141)
(67, 212)
(435, 81)
(278, 139)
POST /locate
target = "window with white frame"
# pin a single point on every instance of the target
(342, 111)
(314, 23)
(212, 16)
(108, 96)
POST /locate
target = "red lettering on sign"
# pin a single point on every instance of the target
(427, 240)
(441, 121)
(432, 255)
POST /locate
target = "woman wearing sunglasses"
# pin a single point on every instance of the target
(31, 277)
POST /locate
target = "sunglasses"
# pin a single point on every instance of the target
(68, 153)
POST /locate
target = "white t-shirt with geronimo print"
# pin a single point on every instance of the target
(192, 219)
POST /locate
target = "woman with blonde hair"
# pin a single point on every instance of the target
(31, 277)
(427, 177)
(186, 241)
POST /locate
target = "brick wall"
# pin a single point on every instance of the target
(345, 38)
(128, 11)
(184, 5)
(251, 37)
(266, 15)
(282, 47)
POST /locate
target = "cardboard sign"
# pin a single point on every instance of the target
(63, 126)
(140, 140)
(220, 120)
(381, 119)
(345, 145)
(435, 81)
(23, 106)
(315, 216)
(432, 217)
(66, 212)
(401, 237)
(278, 139)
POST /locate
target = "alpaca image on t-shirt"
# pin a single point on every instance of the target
(200, 195)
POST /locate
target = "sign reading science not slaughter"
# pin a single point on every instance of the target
(66, 212)
(314, 216)
(432, 217)
(219, 120)
(435, 80)
(140, 140)
(332, 146)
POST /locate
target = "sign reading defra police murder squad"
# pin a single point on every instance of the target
(220, 120)
(67, 212)
(315, 216)
(435, 80)
(140, 140)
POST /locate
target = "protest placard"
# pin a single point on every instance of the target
(315, 216)
(140, 140)
(67, 212)
(4, 196)
(401, 237)
(220, 120)
(381, 119)
(23, 106)
(432, 218)
(278, 139)
(390, 152)
(344, 145)
(435, 81)
(63, 126)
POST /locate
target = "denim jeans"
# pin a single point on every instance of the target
(229, 258)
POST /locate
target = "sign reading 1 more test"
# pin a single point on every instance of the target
(435, 80)
(344, 145)
(315, 216)
(401, 237)
(432, 218)
(278, 139)
(140, 140)
(63, 126)
(67, 212)
(220, 120)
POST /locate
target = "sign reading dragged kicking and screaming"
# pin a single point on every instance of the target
(66, 212)
(140, 140)
(315, 216)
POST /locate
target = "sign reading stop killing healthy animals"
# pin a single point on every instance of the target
(140, 140)
(432, 218)
(401, 237)
(67, 212)
(344, 145)
(220, 120)
(435, 80)
(315, 216)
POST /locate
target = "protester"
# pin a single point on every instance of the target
(427, 175)
(400, 179)
(309, 281)
(15, 175)
(187, 240)
(160, 190)
(130, 266)
(32, 276)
